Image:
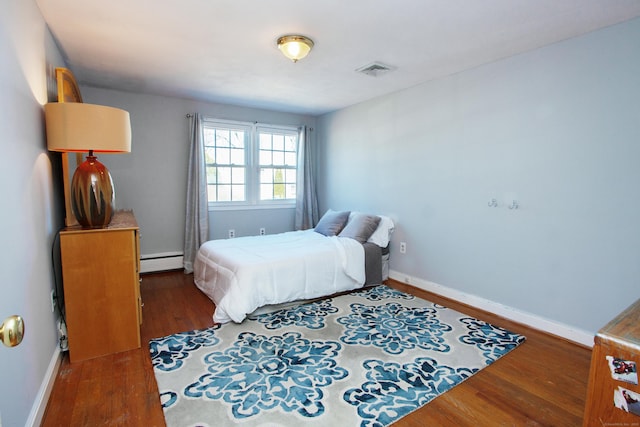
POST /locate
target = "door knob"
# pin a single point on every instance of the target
(12, 331)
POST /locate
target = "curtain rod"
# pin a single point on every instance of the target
(189, 115)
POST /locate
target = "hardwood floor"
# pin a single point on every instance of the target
(541, 383)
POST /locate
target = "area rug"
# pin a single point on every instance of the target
(363, 359)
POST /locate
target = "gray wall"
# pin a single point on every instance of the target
(31, 210)
(151, 179)
(557, 128)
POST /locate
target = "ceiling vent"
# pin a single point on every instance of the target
(375, 69)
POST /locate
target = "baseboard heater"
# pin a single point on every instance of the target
(161, 262)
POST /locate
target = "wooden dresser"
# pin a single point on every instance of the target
(615, 352)
(100, 271)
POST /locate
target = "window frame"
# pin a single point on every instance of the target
(252, 163)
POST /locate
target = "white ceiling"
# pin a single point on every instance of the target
(224, 51)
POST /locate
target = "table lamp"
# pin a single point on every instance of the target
(79, 127)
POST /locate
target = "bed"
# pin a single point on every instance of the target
(345, 251)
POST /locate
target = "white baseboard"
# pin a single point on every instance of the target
(537, 322)
(161, 262)
(41, 400)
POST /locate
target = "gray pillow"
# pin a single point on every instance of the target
(360, 227)
(332, 222)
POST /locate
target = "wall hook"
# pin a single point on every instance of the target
(493, 203)
(514, 204)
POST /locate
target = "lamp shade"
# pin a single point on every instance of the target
(80, 127)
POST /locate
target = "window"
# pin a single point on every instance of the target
(277, 160)
(250, 164)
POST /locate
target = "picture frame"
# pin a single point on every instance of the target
(68, 91)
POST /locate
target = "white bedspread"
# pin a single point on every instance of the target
(245, 273)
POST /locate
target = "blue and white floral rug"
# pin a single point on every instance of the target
(362, 359)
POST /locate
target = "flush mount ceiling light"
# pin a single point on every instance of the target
(295, 47)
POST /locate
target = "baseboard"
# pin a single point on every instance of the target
(40, 403)
(161, 262)
(537, 322)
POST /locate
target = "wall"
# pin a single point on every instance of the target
(31, 210)
(151, 180)
(556, 128)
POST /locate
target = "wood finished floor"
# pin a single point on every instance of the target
(541, 383)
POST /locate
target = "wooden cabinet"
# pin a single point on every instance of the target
(612, 380)
(100, 271)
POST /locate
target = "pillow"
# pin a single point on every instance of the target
(360, 227)
(383, 233)
(332, 222)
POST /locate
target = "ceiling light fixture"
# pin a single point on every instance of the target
(295, 47)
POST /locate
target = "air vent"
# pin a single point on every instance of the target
(375, 69)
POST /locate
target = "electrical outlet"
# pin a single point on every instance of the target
(232, 233)
(53, 302)
(403, 247)
(262, 231)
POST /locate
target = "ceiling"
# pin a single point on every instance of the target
(224, 51)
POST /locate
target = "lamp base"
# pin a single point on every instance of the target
(92, 194)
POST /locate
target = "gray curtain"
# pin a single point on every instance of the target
(196, 230)
(306, 198)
